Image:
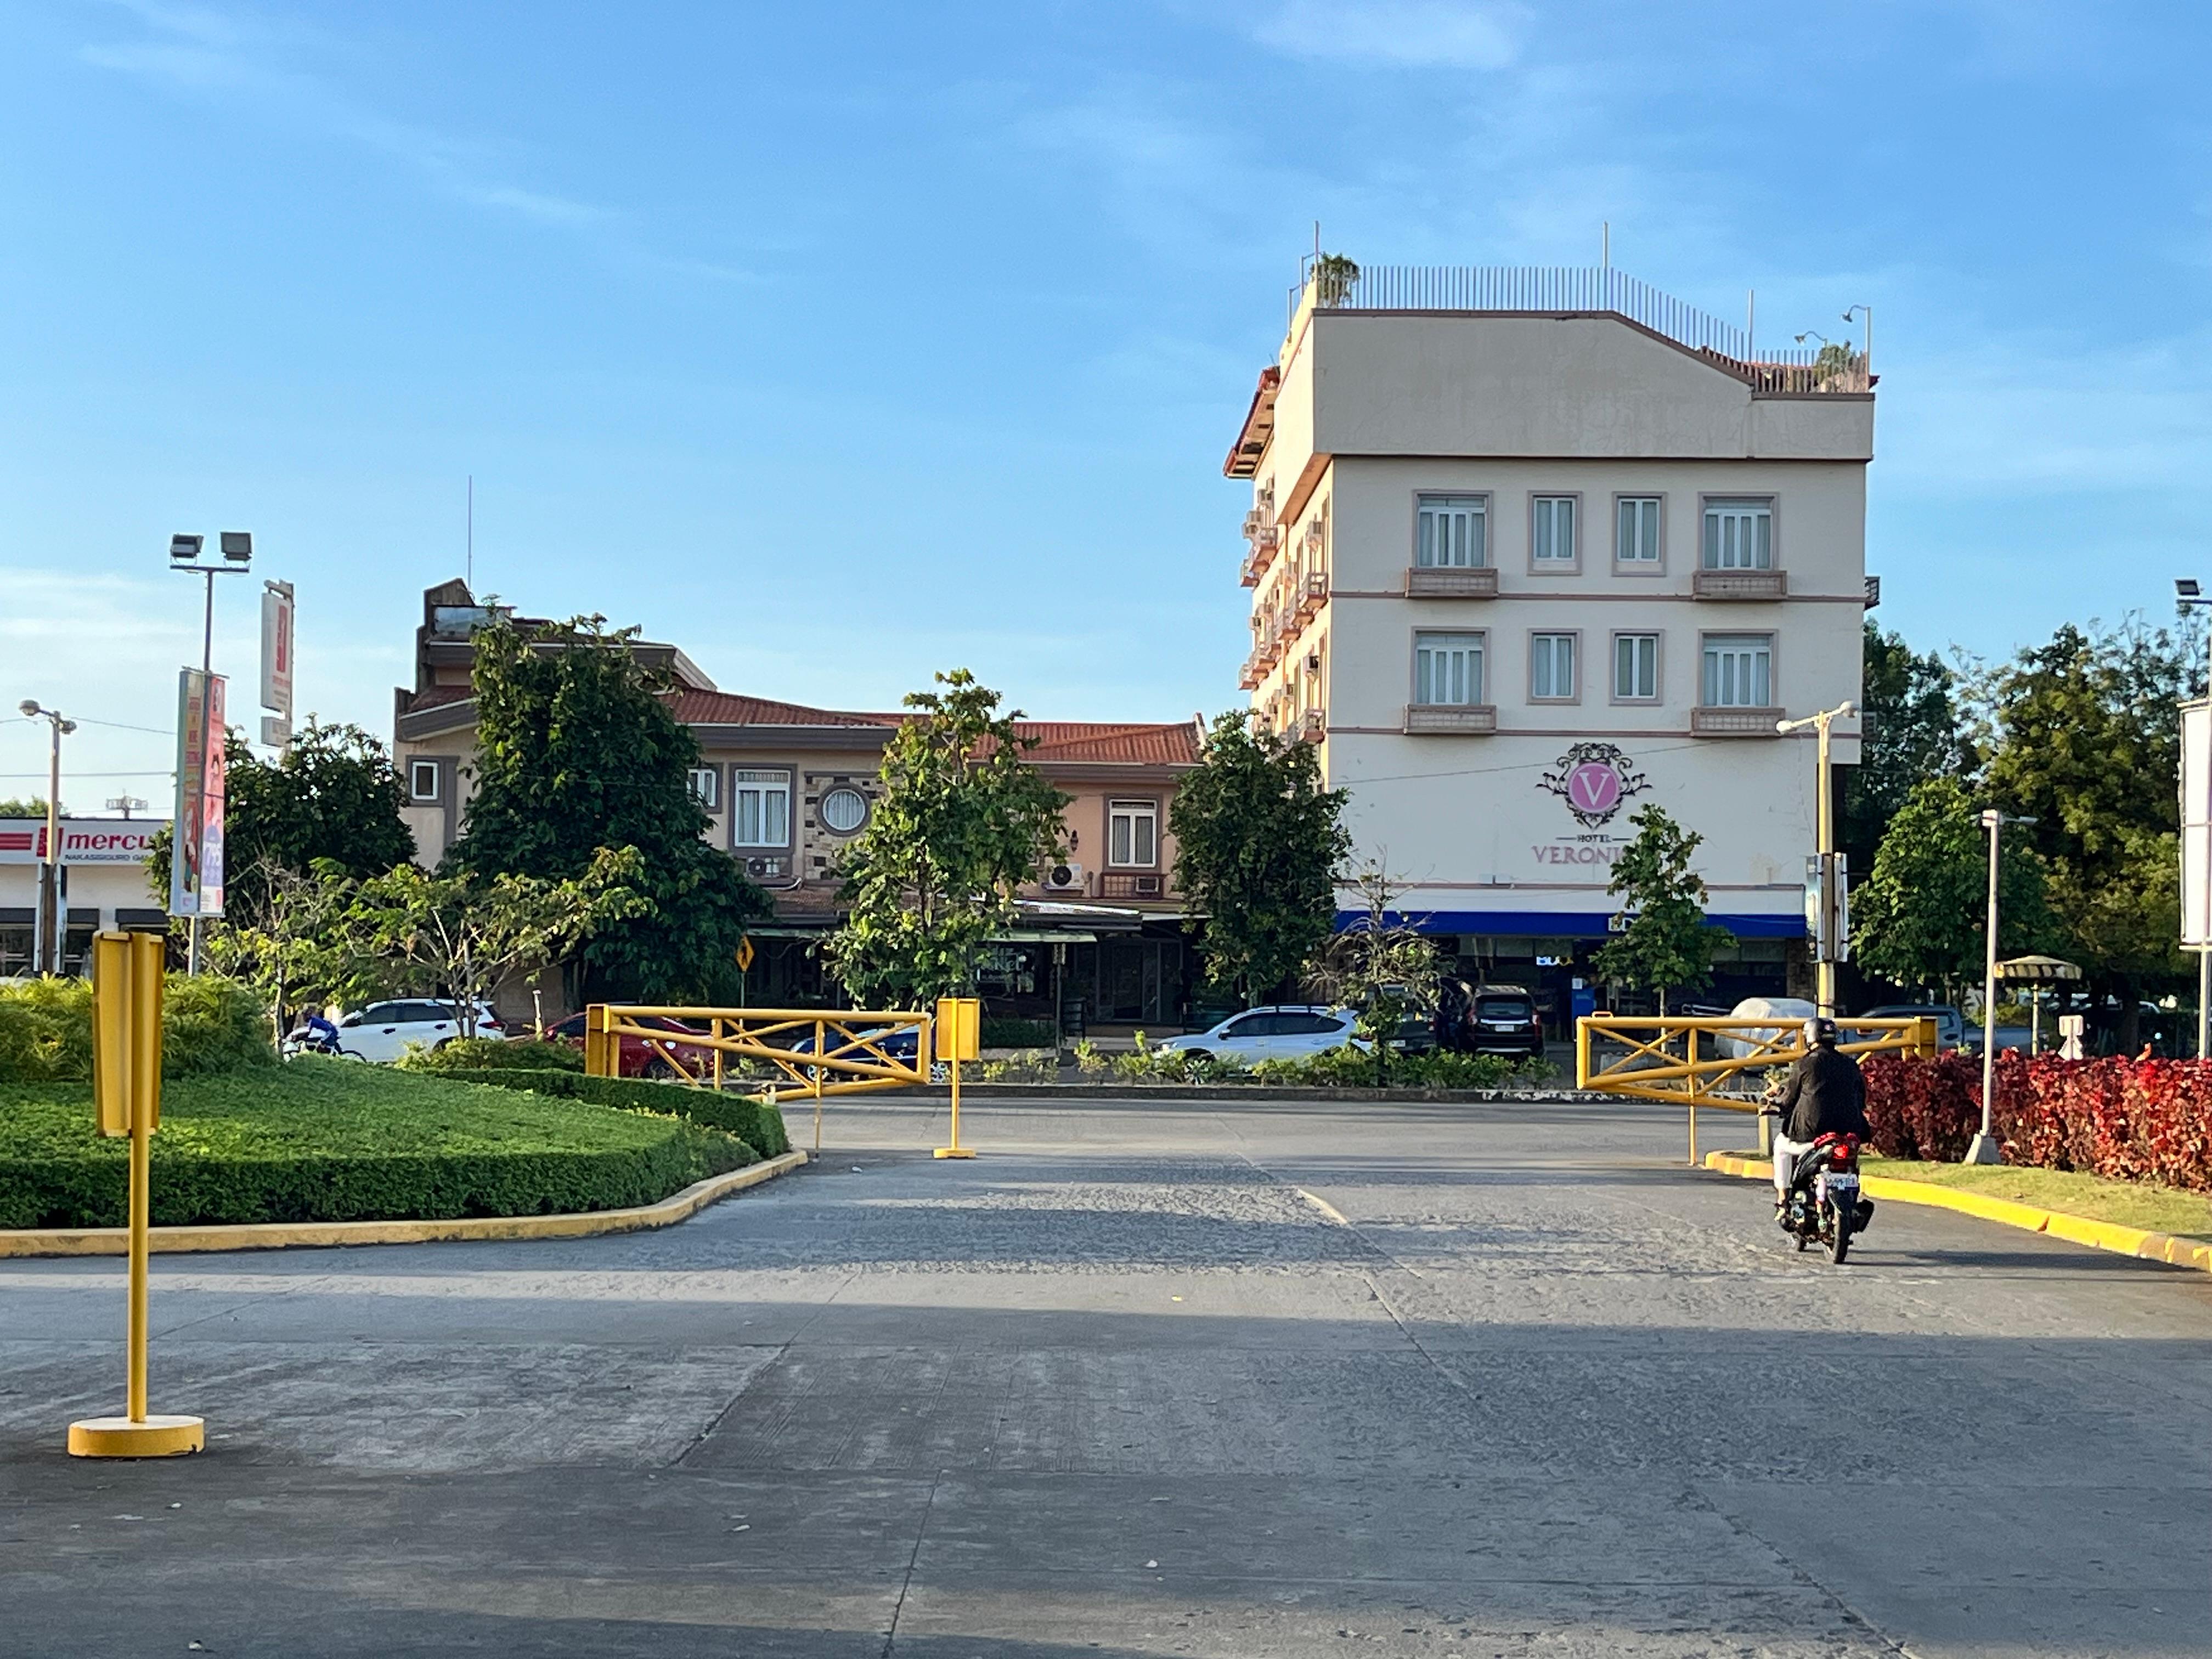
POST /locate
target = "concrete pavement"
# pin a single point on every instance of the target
(1264, 1379)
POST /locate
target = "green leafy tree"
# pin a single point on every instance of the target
(463, 937)
(1919, 919)
(1381, 966)
(27, 806)
(333, 797)
(2081, 735)
(578, 750)
(1258, 842)
(1911, 718)
(1665, 944)
(964, 820)
(298, 946)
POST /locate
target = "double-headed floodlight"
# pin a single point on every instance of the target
(238, 546)
(31, 711)
(182, 548)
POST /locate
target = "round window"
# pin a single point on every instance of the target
(844, 811)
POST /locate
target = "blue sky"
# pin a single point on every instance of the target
(841, 343)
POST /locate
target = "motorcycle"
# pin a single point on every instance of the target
(304, 1042)
(1824, 1205)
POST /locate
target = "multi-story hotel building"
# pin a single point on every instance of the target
(1528, 549)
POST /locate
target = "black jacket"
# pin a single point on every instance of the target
(1825, 1096)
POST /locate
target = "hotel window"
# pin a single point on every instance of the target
(1551, 667)
(1133, 833)
(1635, 667)
(1740, 535)
(422, 782)
(844, 810)
(1637, 536)
(1551, 536)
(760, 804)
(1453, 532)
(1447, 669)
(706, 786)
(1739, 671)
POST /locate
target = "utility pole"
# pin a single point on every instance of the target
(1984, 1147)
(52, 922)
(1827, 948)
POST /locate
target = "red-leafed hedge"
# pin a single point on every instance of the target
(2148, 1120)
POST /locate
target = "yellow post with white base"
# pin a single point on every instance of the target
(959, 1029)
(126, 1073)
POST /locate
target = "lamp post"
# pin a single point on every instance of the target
(1867, 313)
(237, 549)
(1984, 1147)
(1824, 966)
(2188, 595)
(50, 935)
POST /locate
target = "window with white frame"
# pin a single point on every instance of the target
(1739, 671)
(1635, 667)
(1453, 532)
(1553, 534)
(760, 808)
(1636, 540)
(422, 782)
(1133, 833)
(1551, 667)
(1740, 534)
(706, 786)
(1447, 669)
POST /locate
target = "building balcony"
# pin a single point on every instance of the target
(1314, 595)
(1315, 727)
(1133, 885)
(1254, 671)
(1733, 722)
(1453, 720)
(1452, 582)
(1740, 584)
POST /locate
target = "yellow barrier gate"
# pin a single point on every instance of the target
(820, 1052)
(1699, 1061)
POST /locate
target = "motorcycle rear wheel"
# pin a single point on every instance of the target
(1840, 1240)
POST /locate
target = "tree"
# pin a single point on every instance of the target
(1910, 718)
(332, 796)
(1920, 917)
(1665, 944)
(2081, 735)
(963, 821)
(28, 806)
(578, 750)
(1258, 842)
(465, 937)
(299, 944)
(1381, 966)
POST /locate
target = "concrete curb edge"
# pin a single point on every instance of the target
(299, 1234)
(2074, 1229)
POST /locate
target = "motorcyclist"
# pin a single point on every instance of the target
(313, 1032)
(1824, 1096)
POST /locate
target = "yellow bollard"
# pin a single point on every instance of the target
(959, 1036)
(126, 1017)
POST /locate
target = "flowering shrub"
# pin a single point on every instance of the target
(2148, 1119)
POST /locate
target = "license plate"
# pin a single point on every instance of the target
(1843, 1182)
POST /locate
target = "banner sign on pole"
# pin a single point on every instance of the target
(277, 649)
(195, 855)
(2197, 825)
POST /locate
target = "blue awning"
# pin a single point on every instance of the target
(1571, 924)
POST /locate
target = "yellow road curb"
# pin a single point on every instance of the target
(293, 1235)
(2074, 1229)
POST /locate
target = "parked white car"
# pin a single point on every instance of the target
(382, 1031)
(1290, 1031)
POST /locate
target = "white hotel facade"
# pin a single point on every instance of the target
(1528, 549)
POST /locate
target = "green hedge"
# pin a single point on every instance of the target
(494, 1055)
(336, 1140)
(1001, 1032)
(759, 1126)
(209, 1024)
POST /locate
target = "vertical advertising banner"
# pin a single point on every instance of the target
(277, 648)
(2197, 825)
(195, 855)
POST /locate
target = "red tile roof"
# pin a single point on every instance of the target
(730, 708)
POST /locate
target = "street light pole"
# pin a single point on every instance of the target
(1984, 1147)
(1823, 966)
(2189, 597)
(237, 549)
(50, 921)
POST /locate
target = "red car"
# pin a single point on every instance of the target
(644, 1056)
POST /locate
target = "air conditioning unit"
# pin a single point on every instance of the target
(1063, 879)
(1146, 886)
(1315, 529)
(1252, 521)
(759, 869)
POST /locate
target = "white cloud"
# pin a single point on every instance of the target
(1397, 33)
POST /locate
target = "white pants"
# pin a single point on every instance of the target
(1786, 1154)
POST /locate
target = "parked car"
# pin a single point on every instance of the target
(1786, 1012)
(1505, 1020)
(383, 1030)
(1951, 1031)
(642, 1056)
(1290, 1031)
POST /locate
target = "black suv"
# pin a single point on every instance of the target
(1505, 1021)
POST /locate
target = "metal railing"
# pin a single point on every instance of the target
(1697, 1061)
(1587, 288)
(846, 1052)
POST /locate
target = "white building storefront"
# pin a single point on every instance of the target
(104, 886)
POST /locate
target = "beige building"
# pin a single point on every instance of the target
(787, 787)
(1530, 549)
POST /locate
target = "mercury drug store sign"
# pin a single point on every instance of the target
(84, 841)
